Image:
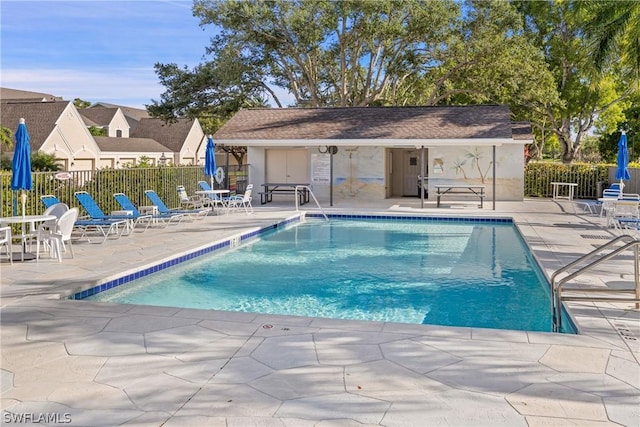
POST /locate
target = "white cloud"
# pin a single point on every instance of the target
(131, 87)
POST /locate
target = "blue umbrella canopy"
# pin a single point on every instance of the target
(622, 169)
(21, 165)
(210, 160)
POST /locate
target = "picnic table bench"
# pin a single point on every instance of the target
(274, 188)
(451, 189)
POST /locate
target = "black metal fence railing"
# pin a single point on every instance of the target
(103, 183)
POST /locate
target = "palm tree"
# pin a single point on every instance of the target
(613, 28)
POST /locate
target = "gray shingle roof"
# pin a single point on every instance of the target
(141, 145)
(171, 135)
(522, 131)
(102, 116)
(442, 122)
(40, 118)
(25, 95)
(133, 115)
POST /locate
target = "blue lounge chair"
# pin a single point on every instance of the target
(49, 200)
(128, 205)
(107, 225)
(163, 209)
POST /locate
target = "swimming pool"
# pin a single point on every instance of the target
(453, 273)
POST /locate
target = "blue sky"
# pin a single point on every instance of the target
(97, 50)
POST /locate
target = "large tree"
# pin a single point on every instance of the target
(557, 29)
(613, 31)
(355, 53)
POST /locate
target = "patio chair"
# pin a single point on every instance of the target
(242, 200)
(57, 210)
(127, 205)
(57, 236)
(5, 242)
(191, 202)
(163, 209)
(214, 199)
(98, 221)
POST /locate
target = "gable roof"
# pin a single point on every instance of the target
(26, 96)
(171, 135)
(102, 116)
(40, 118)
(399, 124)
(133, 115)
(131, 145)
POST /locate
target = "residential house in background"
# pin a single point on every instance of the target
(57, 127)
(184, 138)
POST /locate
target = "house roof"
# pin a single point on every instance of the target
(522, 131)
(26, 96)
(171, 135)
(140, 145)
(133, 115)
(101, 116)
(373, 125)
(40, 118)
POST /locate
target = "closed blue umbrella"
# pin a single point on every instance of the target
(210, 160)
(21, 165)
(622, 169)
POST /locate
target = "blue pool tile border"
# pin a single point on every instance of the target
(228, 243)
(414, 218)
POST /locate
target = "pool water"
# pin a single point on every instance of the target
(427, 272)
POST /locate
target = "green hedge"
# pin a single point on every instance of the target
(539, 176)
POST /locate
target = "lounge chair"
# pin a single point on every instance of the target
(58, 235)
(128, 205)
(163, 209)
(49, 200)
(107, 225)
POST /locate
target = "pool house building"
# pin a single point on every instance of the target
(373, 153)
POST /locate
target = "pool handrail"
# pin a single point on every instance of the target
(308, 188)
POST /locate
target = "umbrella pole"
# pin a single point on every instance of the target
(23, 199)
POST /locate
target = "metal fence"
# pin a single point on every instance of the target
(103, 183)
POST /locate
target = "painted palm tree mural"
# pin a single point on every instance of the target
(474, 159)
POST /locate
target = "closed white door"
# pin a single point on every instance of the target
(287, 166)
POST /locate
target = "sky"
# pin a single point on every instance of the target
(98, 51)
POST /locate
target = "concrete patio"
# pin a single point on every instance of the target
(84, 363)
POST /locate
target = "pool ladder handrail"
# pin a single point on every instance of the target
(300, 187)
(557, 284)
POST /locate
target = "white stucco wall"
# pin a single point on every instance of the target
(359, 172)
(70, 140)
(474, 165)
(118, 123)
(194, 147)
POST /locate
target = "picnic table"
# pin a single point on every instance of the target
(451, 189)
(274, 188)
